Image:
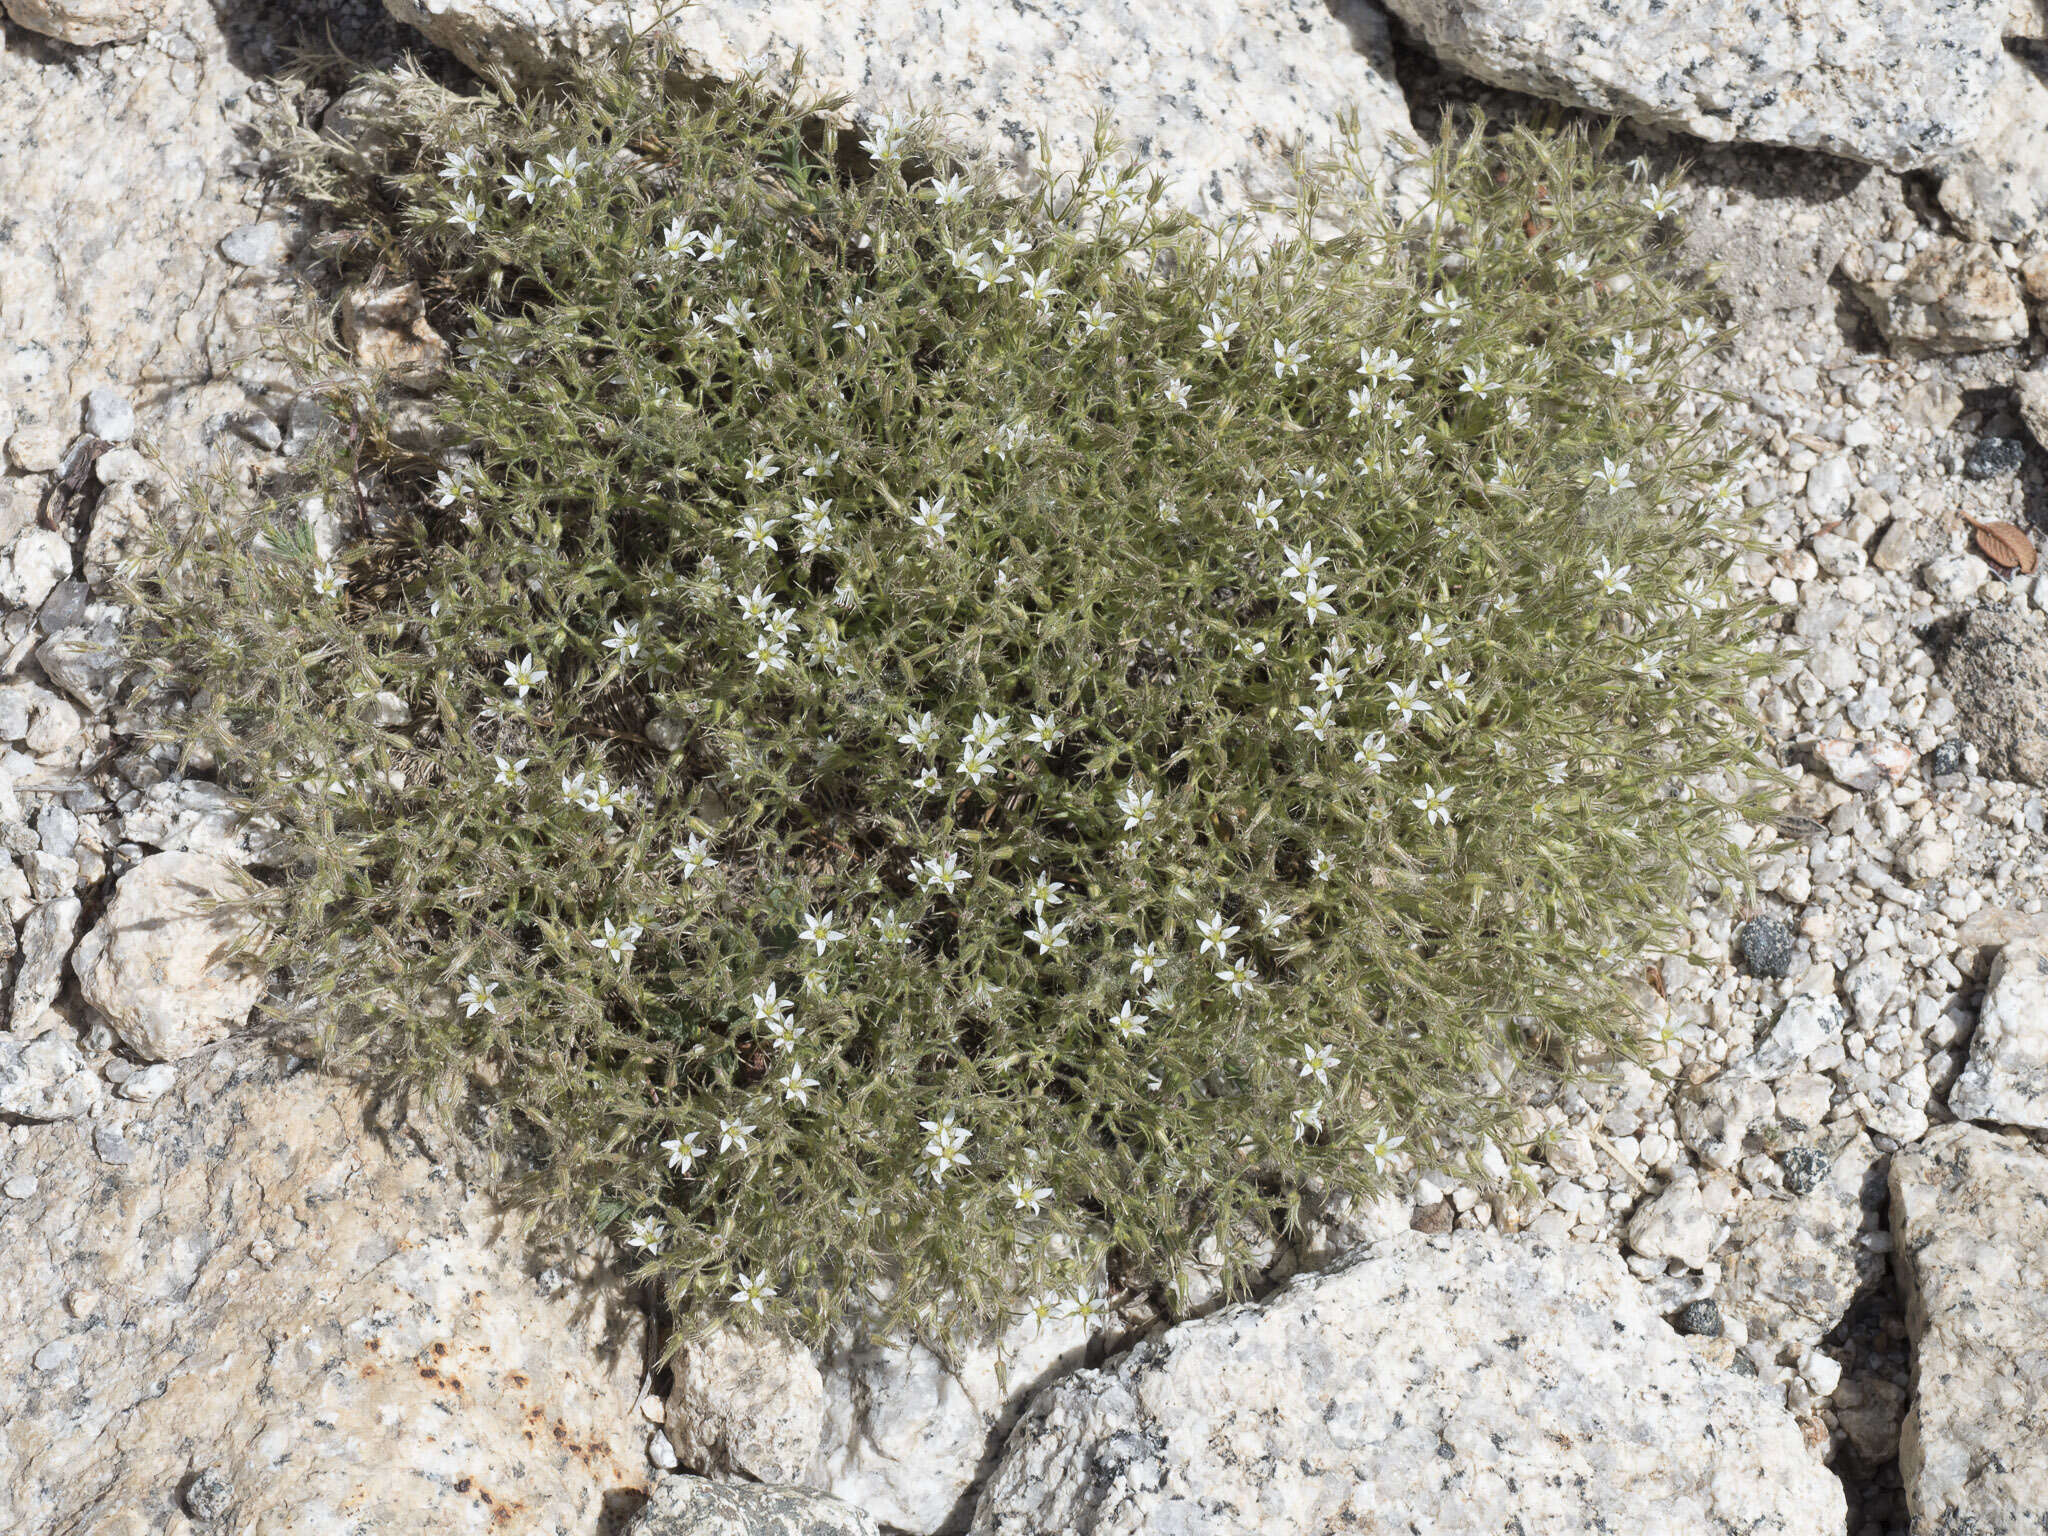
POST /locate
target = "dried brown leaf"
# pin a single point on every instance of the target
(2005, 546)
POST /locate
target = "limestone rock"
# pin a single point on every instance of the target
(1803, 1026)
(1792, 1268)
(1955, 296)
(1714, 1121)
(1996, 666)
(88, 22)
(746, 1406)
(1970, 1220)
(690, 1506)
(283, 1290)
(46, 937)
(1454, 1386)
(45, 1078)
(1998, 188)
(38, 559)
(1900, 83)
(908, 1435)
(1209, 94)
(193, 816)
(157, 964)
(1676, 1224)
(2006, 1077)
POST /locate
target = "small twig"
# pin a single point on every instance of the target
(1620, 1162)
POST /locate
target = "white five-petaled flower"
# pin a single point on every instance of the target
(1240, 978)
(1381, 1149)
(1176, 392)
(754, 1291)
(1329, 677)
(525, 675)
(1405, 700)
(466, 212)
(1315, 719)
(646, 1233)
(1216, 332)
(1452, 686)
(1302, 563)
(1271, 920)
(932, 517)
(1446, 309)
(769, 1005)
(735, 314)
(1616, 476)
(524, 183)
(1435, 803)
(760, 467)
(716, 246)
(615, 943)
(1145, 960)
(1661, 201)
(1320, 864)
(1573, 267)
(508, 774)
(1129, 1022)
(1027, 1193)
(1094, 318)
(1042, 891)
(946, 1148)
(1430, 635)
(1215, 933)
(1310, 482)
(948, 193)
(461, 165)
(1315, 599)
(327, 581)
(1372, 753)
(976, 764)
(1288, 357)
(1318, 1062)
(1383, 364)
(920, 732)
(1045, 733)
(731, 1133)
(941, 875)
(1613, 579)
(891, 927)
(1047, 936)
(1306, 1117)
(476, 997)
(819, 930)
(796, 1088)
(1039, 287)
(683, 1151)
(564, 169)
(625, 639)
(695, 857)
(1138, 805)
(768, 656)
(1265, 511)
(1478, 382)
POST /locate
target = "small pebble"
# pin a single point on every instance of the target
(653, 1409)
(1766, 946)
(1946, 759)
(20, 1187)
(150, 1084)
(1702, 1317)
(1991, 457)
(208, 1496)
(255, 245)
(109, 416)
(661, 1453)
(56, 1354)
(1804, 1169)
(113, 1148)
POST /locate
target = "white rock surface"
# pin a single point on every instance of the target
(1970, 1218)
(1791, 1268)
(280, 1290)
(1209, 94)
(1998, 188)
(690, 1506)
(45, 1078)
(1954, 296)
(1448, 1385)
(746, 1406)
(908, 1436)
(88, 22)
(1803, 1025)
(1676, 1224)
(2006, 1077)
(1901, 83)
(157, 966)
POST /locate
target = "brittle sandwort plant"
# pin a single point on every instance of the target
(921, 738)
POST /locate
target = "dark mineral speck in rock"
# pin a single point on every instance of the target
(207, 1495)
(1946, 758)
(1766, 946)
(1803, 1169)
(1742, 1365)
(1990, 457)
(1702, 1317)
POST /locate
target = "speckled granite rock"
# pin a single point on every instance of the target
(159, 963)
(111, 277)
(909, 1436)
(321, 1311)
(1210, 94)
(2006, 1077)
(690, 1506)
(1998, 188)
(746, 1406)
(1450, 1385)
(1970, 1219)
(1902, 83)
(1996, 665)
(1955, 296)
(1791, 1268)
(88, 22)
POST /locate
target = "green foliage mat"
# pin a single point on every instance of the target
(921, 740)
